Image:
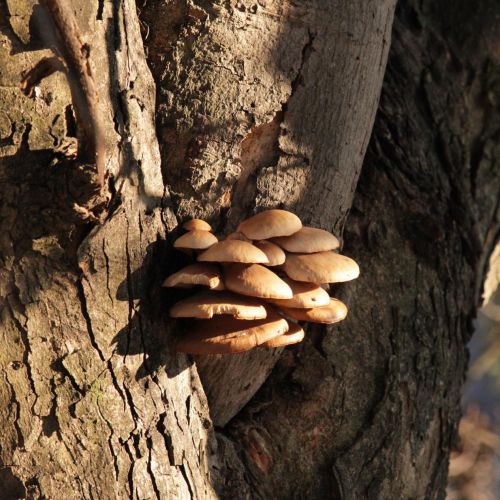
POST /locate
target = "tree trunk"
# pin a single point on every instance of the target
(267, 104)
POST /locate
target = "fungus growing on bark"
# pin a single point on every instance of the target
(234, 251)
(197, 224)
(224, 334)
(202, 273)
(239, 319)
(238, 236)
(333, 312)
(294, 335)
(206, 304)
(273, 252)
(321, 267)
(269, 224)
(196, 240)
(308, 240)
(304, 295)
(255, 280)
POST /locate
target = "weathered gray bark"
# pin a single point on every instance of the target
(258, 104)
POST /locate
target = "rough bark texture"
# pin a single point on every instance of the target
(265, 104)
(258, 104)
(82, 415)
(370, 408)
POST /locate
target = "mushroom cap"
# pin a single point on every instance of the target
(224, 334)
(234, 251)
(201, 273)
(196, 240)
(294, 335)
(321, 267)
(308, 240)
(207, 303)
(275, 255)
(197, 224)
(236, 235)
(305, 295)
(335, 311)
(269, 224)
(256, 281)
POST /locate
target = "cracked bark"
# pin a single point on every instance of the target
(257, 104)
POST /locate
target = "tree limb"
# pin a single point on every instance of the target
(70, 46)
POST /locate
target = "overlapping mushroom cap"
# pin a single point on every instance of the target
(294, 335)
(202, 273)
(274, 253)
(322, 267)
(333, 312)
(197, 224)
(270, 224)
(308, 240)
(304, 262)
(228, 335)
(257, 281)
(196, 240)
(206, 304)
(234, 251)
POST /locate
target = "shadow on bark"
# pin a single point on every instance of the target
(148, 299)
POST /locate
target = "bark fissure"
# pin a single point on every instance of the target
(15, 404)
(88, 321)
(150, 470)
(23, 333)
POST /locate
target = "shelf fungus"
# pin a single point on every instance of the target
(245, 304)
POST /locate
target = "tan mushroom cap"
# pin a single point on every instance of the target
(234, 251)
(275, 255)
(269, 224)
(294, 335)
(308, 240)
(225, 335)
(335, 311)
(256, 281)
(197, 224)
(305, 295)
(207, 303)
(236, 235)
(197, 274)
(196, 240)
(321, 267)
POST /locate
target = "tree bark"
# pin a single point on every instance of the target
(369, 408)
(267, 104)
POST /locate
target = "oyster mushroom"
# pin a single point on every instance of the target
(234, 251)
(335, 311)
(270, 224)
(308, 240)
(256, 281)
(197, 224)
(202, 273)
(207, 303)
(195, 240)
(321, 267)
(305, 295)
(223, 335)
(275, 255)
(238, 236)
(294, 335)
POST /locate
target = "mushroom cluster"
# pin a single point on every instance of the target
(245, 304)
